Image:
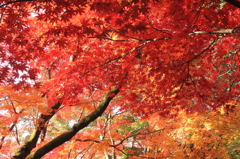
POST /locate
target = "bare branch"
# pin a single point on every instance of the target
(10, 129)
(25, 150)
(138, 133)
(10, 2)
(78, 126)
(234, 2)
(221, 31)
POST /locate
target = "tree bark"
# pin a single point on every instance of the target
(78, 126)
(25, 150)
(234, 2)
(222, 31)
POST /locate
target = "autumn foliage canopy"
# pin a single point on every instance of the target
(137, 63)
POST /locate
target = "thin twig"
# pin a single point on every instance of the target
(2, 5)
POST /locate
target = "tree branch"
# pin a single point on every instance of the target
(234, 2)
(222, 31)
(138, 133)
(10, 129)
(10, 2)
(25, 150)
(78, 126)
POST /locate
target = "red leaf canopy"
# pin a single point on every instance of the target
(149, 48)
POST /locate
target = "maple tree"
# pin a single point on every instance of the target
(62, 56)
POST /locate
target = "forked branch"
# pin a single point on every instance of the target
(78, 126)
(25, 150)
